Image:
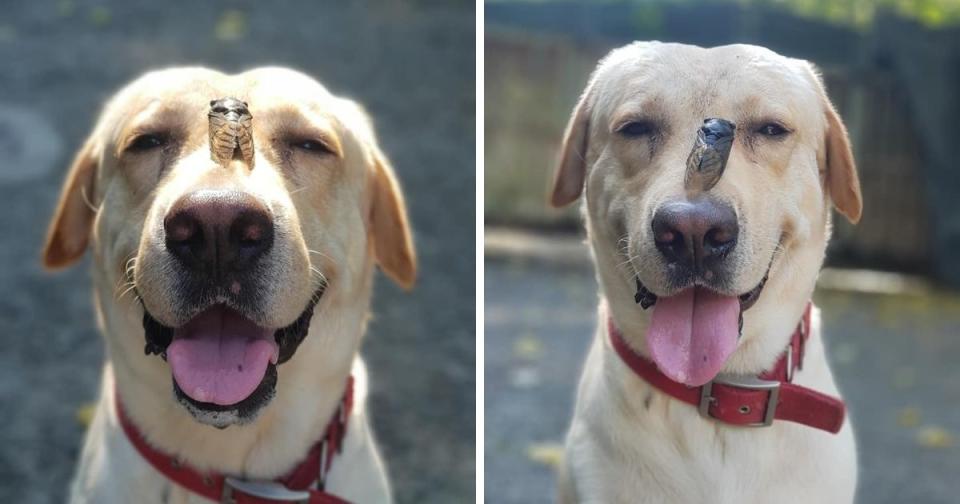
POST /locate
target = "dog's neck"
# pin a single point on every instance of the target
(308, 391)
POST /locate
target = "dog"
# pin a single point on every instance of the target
(708, 177)
(235, 222)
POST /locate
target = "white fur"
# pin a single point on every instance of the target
(629, 442)
(338, 216)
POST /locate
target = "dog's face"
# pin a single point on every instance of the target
(227, 258)
(701, 239)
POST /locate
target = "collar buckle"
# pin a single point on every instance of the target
(744, 382)
(268, 490)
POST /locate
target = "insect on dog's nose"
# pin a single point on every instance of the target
(695, 233)
(216, 232)
(715, 130)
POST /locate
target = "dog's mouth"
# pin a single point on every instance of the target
(224, 365)
(692, 333)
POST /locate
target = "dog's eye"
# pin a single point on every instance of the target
(147, 142)
(634, 129)
(311, 146)
(772, 130)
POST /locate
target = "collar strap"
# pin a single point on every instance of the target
(294, 487)
(749, 401)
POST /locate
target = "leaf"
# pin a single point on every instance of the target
(84, 414)
(527, 347)
(908, 417)
(548, 454)
(934, 437)
(231, 26)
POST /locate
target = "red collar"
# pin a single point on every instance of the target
(752, 401)
(296, 486)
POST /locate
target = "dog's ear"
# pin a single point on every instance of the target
(841, 172)
(389, 229)
(836, 161)
(72, 222)
(572, 169)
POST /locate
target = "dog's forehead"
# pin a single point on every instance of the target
(686, 73)
(196, 87)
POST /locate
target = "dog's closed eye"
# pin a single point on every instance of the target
(147, 141)
(772, 130)
(637, 128)
(311, 146)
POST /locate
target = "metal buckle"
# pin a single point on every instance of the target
(322, 478)
(262, 489)
(746, 382)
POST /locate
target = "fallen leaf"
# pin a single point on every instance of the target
(548, 454)
(527, 347)
(231, 26)
(934, 437)
(84, 414)
(908, 417)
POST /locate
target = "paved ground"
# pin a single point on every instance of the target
(894, 356)
(410, 62)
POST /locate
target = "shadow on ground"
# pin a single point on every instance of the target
(894, 358)
(410, 62)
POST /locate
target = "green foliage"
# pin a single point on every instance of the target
(855, 13)
(860, 13)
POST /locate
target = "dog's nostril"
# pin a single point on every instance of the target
(180, 230)
(665, 237)
(720, 236)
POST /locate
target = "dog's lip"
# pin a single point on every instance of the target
(159, 336)
(647, 298)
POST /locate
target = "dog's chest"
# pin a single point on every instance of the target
(685, 459)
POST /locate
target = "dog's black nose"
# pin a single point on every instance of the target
(695, 233)
(216, 232)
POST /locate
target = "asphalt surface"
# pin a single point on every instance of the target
(894, 357)
(410, 63)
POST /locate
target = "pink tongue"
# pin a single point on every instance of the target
(220, 357)
(692, 334)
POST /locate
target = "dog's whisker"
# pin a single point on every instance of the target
(130, 288)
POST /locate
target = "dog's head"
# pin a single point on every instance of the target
(224, 213)
(708, 175)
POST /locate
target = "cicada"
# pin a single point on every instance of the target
(231, 131)
(709, 155)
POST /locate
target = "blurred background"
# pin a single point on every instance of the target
(891, 310)
(410, 62)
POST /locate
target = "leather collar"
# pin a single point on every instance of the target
(752, 401)
(295, 486)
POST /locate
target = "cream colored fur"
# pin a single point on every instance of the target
(338, 215)
(628, 442)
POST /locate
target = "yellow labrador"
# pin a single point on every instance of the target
(707, 176)
(232, 281)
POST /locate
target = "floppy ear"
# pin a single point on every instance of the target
(572, 169)
(69, 230)
(842, 181)
(836, 161)
(389, 230)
